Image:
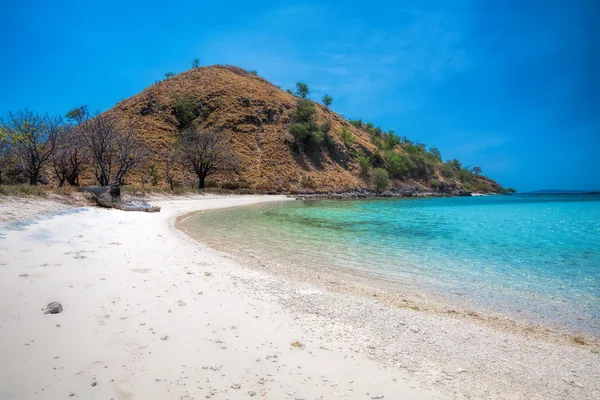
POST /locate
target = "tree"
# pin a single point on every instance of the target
(185, 109)
(70, 157)
(457, 165)
(206, 152)
(380, 179)
(196, 63)
(113, 148)
(305, 129)
(327, 100)
(399, 166)
(33, 139)
(476, 170)
(78, 114)
(436, 153)
(391, 141)
(170, 158)
(169, 75)
(4, 151)
(302, 90)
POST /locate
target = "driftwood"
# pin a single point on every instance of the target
(110, 197)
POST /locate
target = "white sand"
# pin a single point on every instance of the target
(128, 280)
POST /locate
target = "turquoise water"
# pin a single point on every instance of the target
(535, 258)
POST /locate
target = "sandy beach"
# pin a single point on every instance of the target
(150, 313)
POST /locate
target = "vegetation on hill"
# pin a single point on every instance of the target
(227, 127)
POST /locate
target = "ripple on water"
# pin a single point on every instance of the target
(534, 257)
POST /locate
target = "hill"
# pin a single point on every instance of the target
(256, 116)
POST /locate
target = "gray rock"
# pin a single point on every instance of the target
(54, 308)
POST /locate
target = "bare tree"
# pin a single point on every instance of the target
(33, 139)
(206, 152)
(4, 150)
(169, 157)
(113, 148)
(70, 158)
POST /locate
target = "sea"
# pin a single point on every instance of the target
(532, 258)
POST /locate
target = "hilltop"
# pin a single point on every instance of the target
(256, 117)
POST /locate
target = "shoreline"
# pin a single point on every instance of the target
(231, 330)
(385, 291)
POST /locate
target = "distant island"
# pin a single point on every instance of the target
(558, 191)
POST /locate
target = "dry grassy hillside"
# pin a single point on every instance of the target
(256, 116)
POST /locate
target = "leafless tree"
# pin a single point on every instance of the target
(206, 152)
(70, 158)
(4, 151)
(33, 139)
(114, 148)
(170, 158)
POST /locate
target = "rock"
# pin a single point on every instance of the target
(164, 337)
(377, 397)
(236, 386)
(251, 393)
(94, 383)
(53, 308)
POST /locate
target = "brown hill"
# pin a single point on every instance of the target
(257, 116)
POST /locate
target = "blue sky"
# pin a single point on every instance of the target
(511, 86)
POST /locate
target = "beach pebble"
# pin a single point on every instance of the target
(94, 383)
(251, 393)
(53, 308)
(236, 386)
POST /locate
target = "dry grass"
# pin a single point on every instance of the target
(255, 114)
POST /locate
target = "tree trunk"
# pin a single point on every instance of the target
(33, 180)
(201, 178)
(61, 182)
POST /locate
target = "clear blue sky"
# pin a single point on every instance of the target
(511, 86)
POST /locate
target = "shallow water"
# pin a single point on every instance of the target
(534, 258)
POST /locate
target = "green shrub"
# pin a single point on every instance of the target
(391, 141)
(447, 170)
(436, 153)
(356, 122)
(380, 179)
(327, 100)
(365, 165)
(398, 166)
(304, 128)
(346, 137)
(185, 109)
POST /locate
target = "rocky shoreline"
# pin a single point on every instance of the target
(390, 193)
